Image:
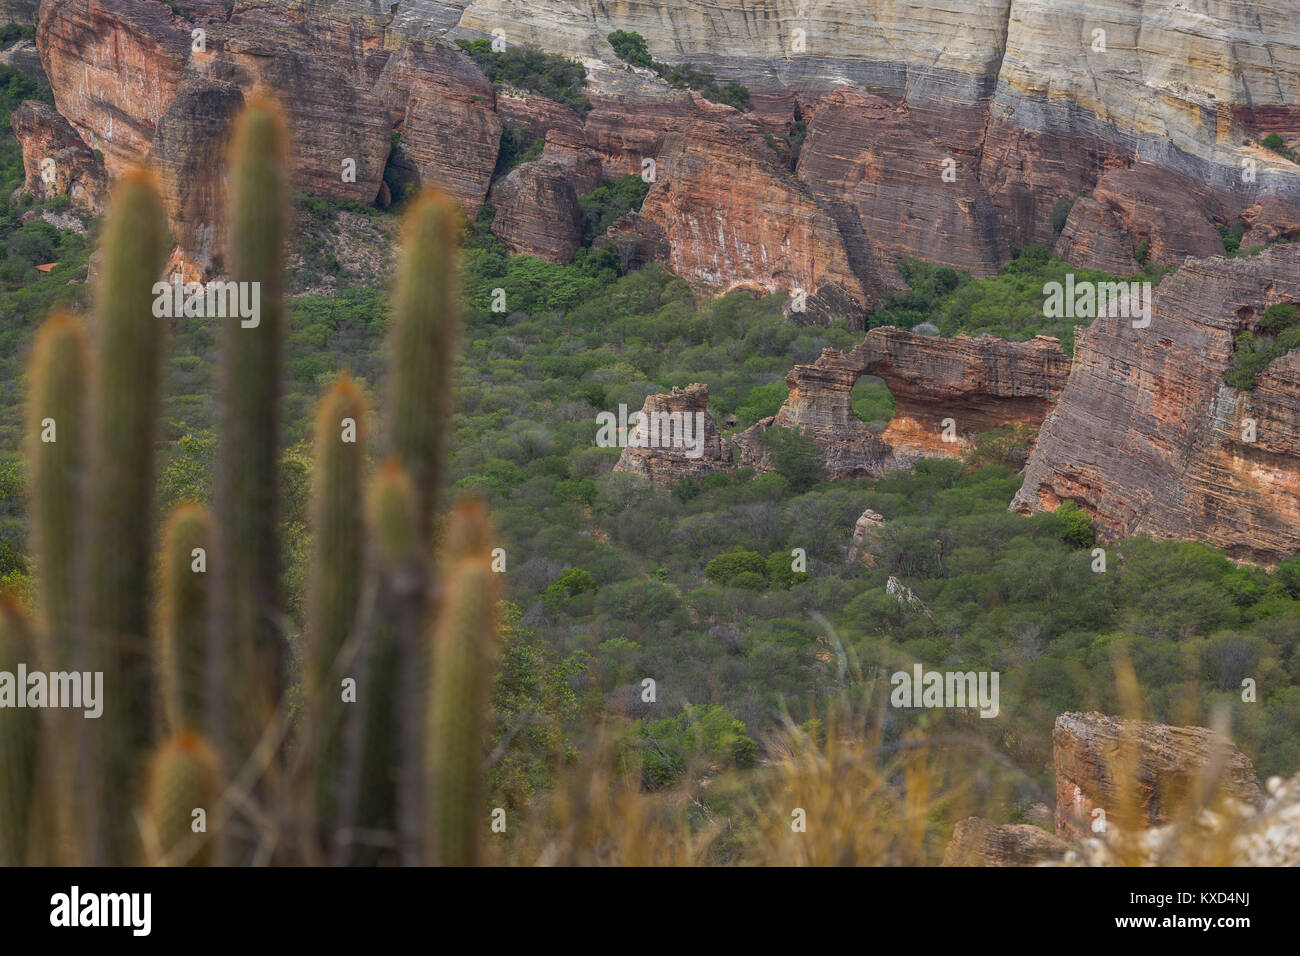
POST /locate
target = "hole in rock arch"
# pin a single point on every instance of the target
(872, 402)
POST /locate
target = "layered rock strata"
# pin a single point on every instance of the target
(674, 437)
(979, 842)
(1148, 438)
(1094, 755)
(939, 131)
(56, 160)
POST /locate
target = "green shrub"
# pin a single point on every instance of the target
(631, 47)
(725, 567)
(602, 206)
(529, 68)
(1061, 212)
(709, 735)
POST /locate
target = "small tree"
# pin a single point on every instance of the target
(631, 48)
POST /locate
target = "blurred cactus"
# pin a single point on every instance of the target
(465, 650)
(18, 744)
(117, 569)
(182, 617)
(247, 629)
(219, 653)
(425, 332)
(184, 778)
(334, 589)
(56, 439)
(56, 447)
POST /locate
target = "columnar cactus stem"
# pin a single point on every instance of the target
(56, 448)
(426, 328)
(56, 439)
(465, 650)
(118, 566)
(184, 779)
(183, 616)
(249, 643)
(19, 734)
(334, 590)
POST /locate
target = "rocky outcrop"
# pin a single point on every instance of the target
(860, 546)
(188, 152)
(114, 66)
(1164, 766)
(911, 186)
(733, 220)
(946, 392)
(1022, 103)
(450, 131)
(537, 211)
(21, 12)
(56, 160)
(979, 842)
(1148, 438)
(674, 437)
(25, 58)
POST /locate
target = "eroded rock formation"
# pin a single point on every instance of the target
(860, 546)
(1093, 753)
(1150, 440)
(537, 211)
(946, 392)
(674, 437)
(979, 842)
(56, 160)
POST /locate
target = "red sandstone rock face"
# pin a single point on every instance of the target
(1095, 237)
(725, 211)
(537, 211)
(57, 161)
(886, 160)
(733, 219)
(114, 67)
(450, 131)
(975, 383)
(1173, 212)
(979, 842)
(1149, 439)
(676, 438)
(188, 149)
(1091, 752)
(1026, 172)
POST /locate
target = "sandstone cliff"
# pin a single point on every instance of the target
(1150, 440)
(1021, 101)
(977, 842)
(57, 161)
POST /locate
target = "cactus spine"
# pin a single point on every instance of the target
(118, 561)
(182, 616)
(184, 777)
(335, 583)
(19, 728)
(465, 650)
(246, 624)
